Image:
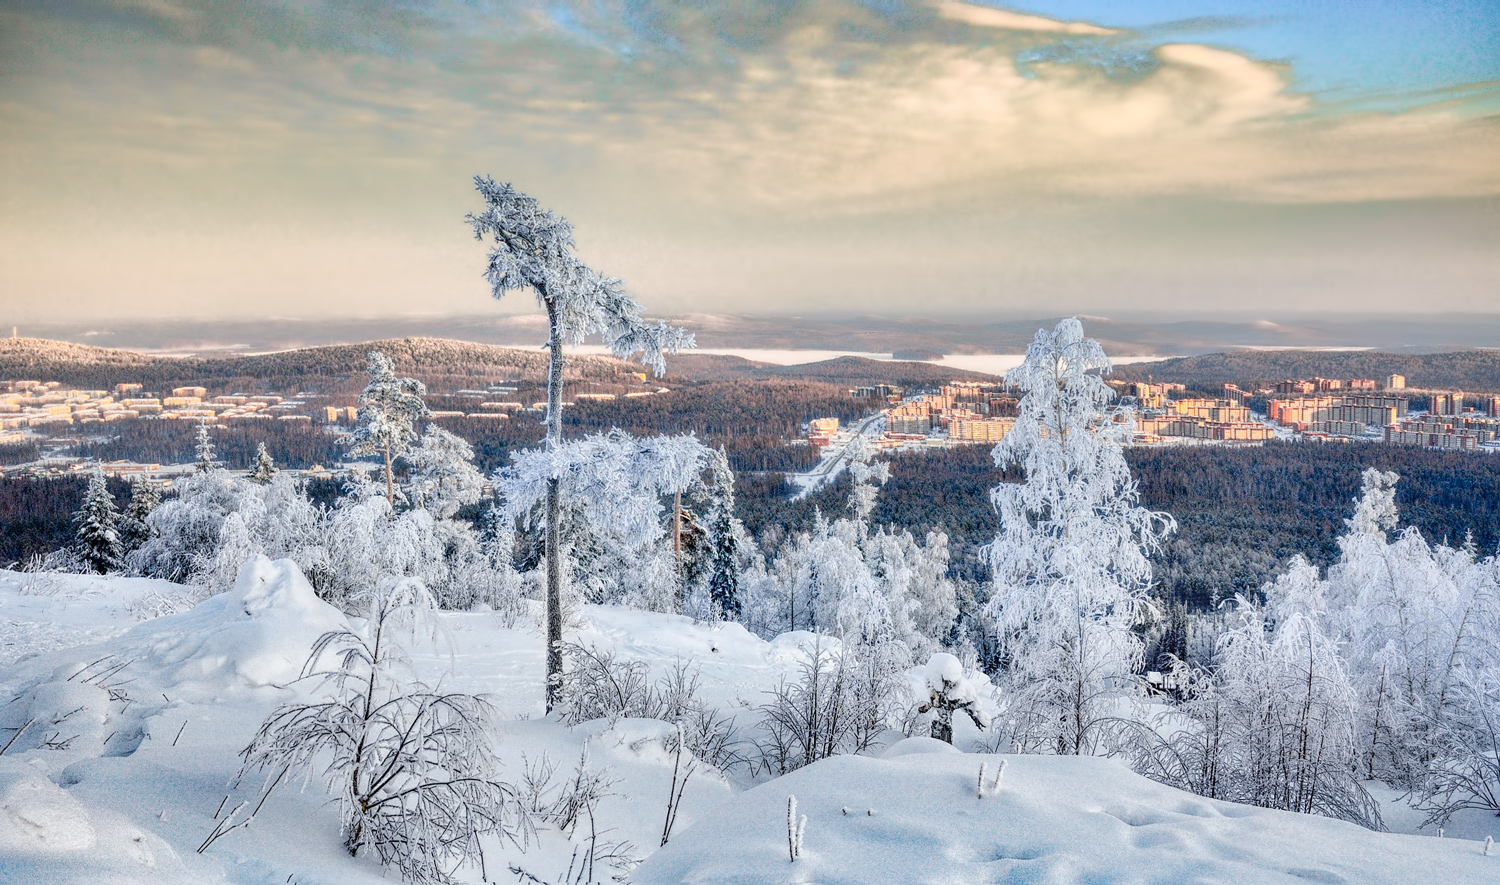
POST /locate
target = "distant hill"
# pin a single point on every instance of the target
(331, 369)
(1470, 370)
(858, 370)
(848, 371)
(439, 362)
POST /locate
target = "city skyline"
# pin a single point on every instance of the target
(180, 159)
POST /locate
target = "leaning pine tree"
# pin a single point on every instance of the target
(531, 248)
(98, 527)
(1070, 565)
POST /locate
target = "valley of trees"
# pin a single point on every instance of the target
(1241, 512)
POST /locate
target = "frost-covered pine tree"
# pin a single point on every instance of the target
(724, 536)
(532, 248)
(389, 409)
(443, 475)
(265, 469)
(203, 450)
(144, 498)
(1070, 564)
(97, 535)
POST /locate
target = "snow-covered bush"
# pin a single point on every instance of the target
(1412, 616)
(185, 529)
(443, 477)
(1464, 771)
(611, 523)
(1070, 564)
(413, 769)
(600, 686)
(824, 712)
(1274, 724)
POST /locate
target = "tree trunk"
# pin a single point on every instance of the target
(554, 515)
(677, 545)
(390, 486)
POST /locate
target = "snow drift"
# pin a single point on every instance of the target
(259, 633)
(915, 816)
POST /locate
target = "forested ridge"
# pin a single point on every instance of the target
(1470, 370)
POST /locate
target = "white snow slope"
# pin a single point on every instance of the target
(132, 730)
(917, 817)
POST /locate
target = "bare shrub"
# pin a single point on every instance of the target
(413, 769)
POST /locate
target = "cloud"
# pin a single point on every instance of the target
(930, 118)
(990, 17)
(767, 153)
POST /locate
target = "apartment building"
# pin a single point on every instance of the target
(1431, 433)
(1369, 409)
(974, 429)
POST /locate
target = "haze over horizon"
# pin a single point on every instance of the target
(1275, 159)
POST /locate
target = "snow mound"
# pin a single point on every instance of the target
(917, 818)
(48, 836)
(917, 746)
(260, 633)
(60, 714)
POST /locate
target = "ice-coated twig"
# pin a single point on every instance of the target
(795, 827)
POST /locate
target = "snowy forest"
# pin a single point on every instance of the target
(1351, 688)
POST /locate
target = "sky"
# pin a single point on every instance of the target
(926, 157)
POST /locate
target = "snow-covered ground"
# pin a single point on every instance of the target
(136, 723)
(916, 816)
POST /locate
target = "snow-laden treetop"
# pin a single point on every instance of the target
(533, 248)
(619, 479)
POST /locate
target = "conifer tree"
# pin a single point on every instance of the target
(144, 498)
(724, 559)
(389, 409)
(203, 450)
(532, 248)
(265, 469)
(98, 531)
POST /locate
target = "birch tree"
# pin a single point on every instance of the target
(532, 248)
(1070, 563)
